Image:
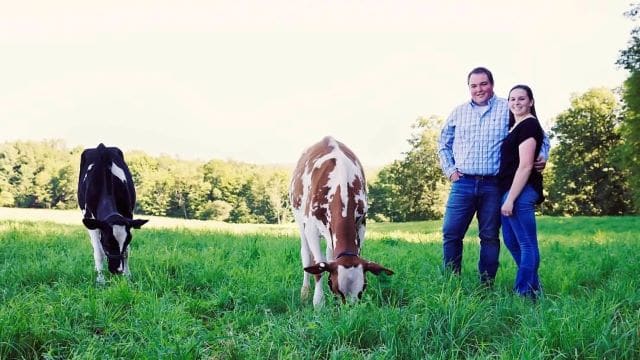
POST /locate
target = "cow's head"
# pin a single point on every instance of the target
(347, 275)
(115, 236)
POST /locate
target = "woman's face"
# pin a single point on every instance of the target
(519, 102)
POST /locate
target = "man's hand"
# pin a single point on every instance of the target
(455, 176)
(539, 164)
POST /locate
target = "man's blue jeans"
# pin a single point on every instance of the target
(520, 237)
(473, 195)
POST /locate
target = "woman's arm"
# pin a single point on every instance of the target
(526, 151)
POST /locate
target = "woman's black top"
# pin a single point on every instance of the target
(510, 156)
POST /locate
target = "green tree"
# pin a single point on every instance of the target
(258, 194)
(627, 153)
(37, 174)
(215, 210)
(585, 179)
(266, 194)
(277, 195)
(153, 183)
(240, 213)
(63, 187)
(412, 188)
(188, 191)
(226, 178)
(385, 194)
(7, 190)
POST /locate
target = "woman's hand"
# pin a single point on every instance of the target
(507, 208)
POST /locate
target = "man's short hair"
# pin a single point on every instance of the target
(481, 70)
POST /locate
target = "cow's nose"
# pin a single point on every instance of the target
(116, 268)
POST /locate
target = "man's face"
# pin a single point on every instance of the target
(481, 88)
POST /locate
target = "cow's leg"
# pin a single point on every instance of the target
(329, 245)
(307, 260)
(125, 261)
(312, 236)
(98, 254)
(361, 229)
(318, 292)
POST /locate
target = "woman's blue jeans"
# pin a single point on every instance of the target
(468, 196)
(519, 234)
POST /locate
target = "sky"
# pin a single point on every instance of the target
(259, 81)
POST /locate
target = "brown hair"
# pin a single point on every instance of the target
(512, 119)
(480, 70)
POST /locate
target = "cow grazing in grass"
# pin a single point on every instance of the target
(106, 196)
(329, 199)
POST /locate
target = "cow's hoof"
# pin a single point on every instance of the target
(100, 280)
(318, 300)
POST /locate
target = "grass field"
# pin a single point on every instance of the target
(233, 293)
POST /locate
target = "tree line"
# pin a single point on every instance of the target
(593, 169)
(45, 174)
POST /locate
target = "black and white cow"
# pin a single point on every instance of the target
(106, 196)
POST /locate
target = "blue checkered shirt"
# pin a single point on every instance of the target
(471, 138)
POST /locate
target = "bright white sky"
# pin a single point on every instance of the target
(259, 81)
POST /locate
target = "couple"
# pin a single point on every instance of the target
(487, 149)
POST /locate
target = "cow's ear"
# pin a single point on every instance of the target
(376, 268)
(318, 268)
(92, 224)
(137, 223)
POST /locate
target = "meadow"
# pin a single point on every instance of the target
(234, 293)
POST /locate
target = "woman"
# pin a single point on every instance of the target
(522, 188)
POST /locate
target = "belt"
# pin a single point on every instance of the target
(480, 177)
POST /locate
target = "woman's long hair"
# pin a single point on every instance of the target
(512, 119)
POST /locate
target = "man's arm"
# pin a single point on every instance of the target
(546, 146)
(543, 156)
(445, 148)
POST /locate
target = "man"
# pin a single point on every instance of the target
(469, 150)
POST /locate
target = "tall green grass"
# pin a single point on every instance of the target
(215, 295)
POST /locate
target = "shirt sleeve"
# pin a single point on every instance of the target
(445, 146)
(546, 146)
(529, 128)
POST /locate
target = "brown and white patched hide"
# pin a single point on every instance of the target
(328, 188)
(329, 199)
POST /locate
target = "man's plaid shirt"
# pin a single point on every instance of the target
(471, 138)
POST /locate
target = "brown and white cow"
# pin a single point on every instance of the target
(329, 199)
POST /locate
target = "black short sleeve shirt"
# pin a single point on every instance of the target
(510, 157)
